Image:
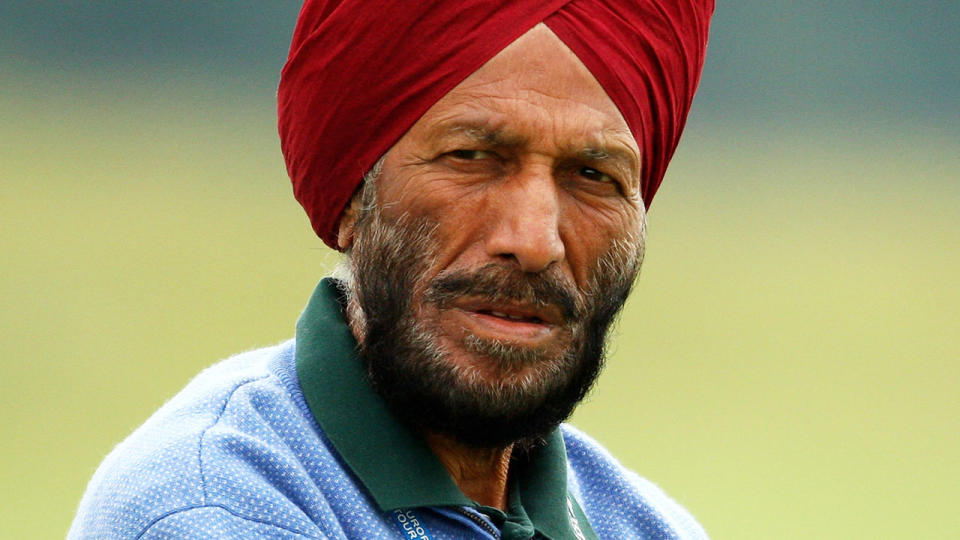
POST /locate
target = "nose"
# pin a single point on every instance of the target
(525, 221)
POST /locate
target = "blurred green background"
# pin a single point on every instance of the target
(788, 366)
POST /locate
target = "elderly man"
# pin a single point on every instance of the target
(507, 152)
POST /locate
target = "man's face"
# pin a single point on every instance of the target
(507, 232)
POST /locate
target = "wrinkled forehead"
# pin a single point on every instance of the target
(539, 66)
(534, 94)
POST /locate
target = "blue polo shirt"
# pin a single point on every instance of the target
(291, 442)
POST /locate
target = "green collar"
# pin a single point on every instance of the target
(382, 451)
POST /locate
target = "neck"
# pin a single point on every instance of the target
(481, 474)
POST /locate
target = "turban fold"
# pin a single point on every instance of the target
(361, 73)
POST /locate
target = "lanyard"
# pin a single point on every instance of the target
(409, 524)
(413, 528)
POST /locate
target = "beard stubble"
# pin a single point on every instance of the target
(531, 390)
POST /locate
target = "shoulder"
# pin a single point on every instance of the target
(204, 452)
(617, 501)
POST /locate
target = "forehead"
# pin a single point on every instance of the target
(535, 87)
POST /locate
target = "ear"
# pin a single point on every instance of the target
(348, 222)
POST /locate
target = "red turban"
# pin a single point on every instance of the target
(361, 73)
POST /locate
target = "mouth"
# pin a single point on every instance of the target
(533, 319)
(521, 324)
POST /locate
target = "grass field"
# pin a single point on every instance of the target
(788, 366)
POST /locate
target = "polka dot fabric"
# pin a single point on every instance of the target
(598, 481)
(237, 454)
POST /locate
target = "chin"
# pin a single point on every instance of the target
(483, 393)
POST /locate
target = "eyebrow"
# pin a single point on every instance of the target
(619, 158)
(482, 133)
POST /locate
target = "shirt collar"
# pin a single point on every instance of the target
(382, 451)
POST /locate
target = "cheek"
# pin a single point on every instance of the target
(461, 217)
(429, 195)
(593, 232)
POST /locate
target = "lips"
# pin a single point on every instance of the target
(512, 311)
(518, 323)
(512, 317)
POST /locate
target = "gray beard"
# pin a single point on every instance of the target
(412, 370)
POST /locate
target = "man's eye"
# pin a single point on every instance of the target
(595, 175)
(470, 155)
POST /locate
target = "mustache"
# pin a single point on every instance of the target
(495, 283)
